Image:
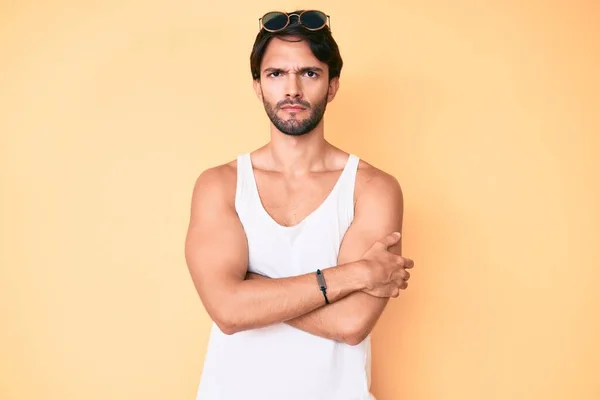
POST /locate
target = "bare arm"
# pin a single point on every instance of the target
(379, 211)
(216, 252)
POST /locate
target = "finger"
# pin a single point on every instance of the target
(406, 275)
(403, 285)
(395, 293)
(403, 261)
(391, 239)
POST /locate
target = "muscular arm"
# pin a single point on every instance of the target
(216, 253)
(379, 210)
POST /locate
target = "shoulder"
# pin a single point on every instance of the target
(216, 184)
(375, 184)
(379, 204)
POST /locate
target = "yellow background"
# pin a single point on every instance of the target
(486, 111)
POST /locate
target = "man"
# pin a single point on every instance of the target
(294, 249)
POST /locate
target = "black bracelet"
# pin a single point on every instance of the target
(322, 285)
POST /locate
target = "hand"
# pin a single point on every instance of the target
(386, 271)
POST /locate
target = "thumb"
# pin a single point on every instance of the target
(392, 239)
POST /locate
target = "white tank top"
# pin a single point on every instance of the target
(280, 362)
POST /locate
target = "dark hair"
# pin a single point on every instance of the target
(321, 43)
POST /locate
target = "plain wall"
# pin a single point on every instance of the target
(486, 112)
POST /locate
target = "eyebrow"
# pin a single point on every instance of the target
(303, 69)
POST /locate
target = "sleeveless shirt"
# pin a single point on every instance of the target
(280, 362)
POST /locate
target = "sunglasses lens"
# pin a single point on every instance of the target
(313, 19)
(274, 21)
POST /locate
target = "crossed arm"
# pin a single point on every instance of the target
(217, 257)
(378, 212)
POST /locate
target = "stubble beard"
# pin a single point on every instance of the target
(294, 126)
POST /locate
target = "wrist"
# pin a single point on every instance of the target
(344, 279)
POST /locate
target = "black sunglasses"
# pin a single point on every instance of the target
(312, 20)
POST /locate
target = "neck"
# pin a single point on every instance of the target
(297, 155)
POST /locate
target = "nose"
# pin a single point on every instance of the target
(293, 88)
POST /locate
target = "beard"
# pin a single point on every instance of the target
(294, 126)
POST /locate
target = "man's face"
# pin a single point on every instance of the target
(294, 86)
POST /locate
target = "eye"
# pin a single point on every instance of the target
(311, 74)
(275, 74)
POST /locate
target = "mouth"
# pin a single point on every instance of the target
(293, 109)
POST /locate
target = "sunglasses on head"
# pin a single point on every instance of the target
(312, 20)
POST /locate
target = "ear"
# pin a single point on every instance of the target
(257, 88)
(334, 85)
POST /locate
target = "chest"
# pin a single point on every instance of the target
(290, 201)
